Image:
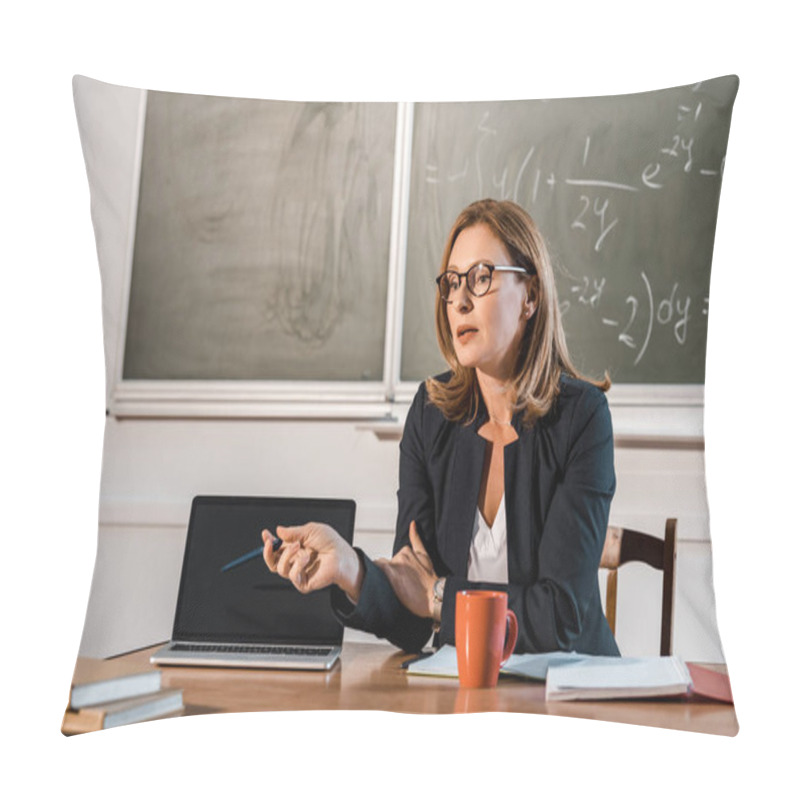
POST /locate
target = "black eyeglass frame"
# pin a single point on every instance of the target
(465, 275)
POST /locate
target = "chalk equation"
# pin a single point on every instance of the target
(632, 325)
(625, 192)
(523, 173)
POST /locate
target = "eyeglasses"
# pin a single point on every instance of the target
(479, 279)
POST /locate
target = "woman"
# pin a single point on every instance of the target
(506, 465)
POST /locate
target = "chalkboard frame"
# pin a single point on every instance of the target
(646, 409)
(134, 398)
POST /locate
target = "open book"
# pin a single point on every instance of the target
(578, 676)
(444, 664)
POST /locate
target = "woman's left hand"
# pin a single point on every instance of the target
(411, 574)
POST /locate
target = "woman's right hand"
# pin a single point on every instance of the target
(314, 556)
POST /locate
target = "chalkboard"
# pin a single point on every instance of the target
(625, 190)
(263, 236)
(262, 240)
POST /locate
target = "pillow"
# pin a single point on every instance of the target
(266, 274)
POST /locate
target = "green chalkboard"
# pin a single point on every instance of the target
(262, 240)
(264, 234)
(625, 190)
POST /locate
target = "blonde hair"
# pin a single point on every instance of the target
(543, 353)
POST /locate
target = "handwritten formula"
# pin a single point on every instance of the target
(625, 190)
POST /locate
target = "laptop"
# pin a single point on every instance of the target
(232, 611)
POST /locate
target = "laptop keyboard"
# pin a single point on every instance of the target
(258, 649)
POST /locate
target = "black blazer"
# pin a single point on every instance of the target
(559, 482)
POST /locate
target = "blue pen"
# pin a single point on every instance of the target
(251, 555)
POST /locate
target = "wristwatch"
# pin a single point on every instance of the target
(438, 599)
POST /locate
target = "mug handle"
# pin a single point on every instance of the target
(511, 637)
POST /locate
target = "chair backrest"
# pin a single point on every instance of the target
(624, 545)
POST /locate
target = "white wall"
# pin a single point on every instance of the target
(153, 468)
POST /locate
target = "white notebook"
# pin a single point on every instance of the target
(660, 676)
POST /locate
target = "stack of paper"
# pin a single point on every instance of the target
(122, 712)
(119, 700)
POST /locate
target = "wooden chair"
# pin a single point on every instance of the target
(624, 545)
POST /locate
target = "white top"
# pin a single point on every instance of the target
(488, 553)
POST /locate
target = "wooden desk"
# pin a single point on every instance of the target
(369, 677)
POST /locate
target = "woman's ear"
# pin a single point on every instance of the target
(529, 308)
(532, 300)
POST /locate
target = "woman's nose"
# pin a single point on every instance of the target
(462, 300)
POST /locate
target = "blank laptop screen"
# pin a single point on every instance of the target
(248, 603)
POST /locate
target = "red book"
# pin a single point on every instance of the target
(710, 683)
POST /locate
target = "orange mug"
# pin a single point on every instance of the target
(481, 621)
